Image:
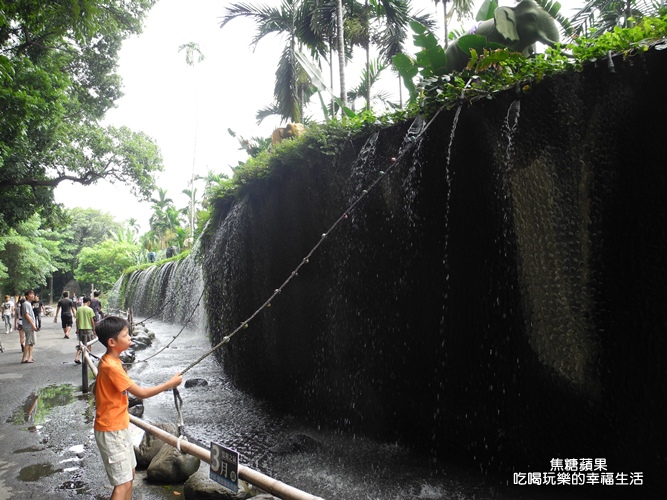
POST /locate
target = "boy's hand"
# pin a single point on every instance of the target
(176, 380)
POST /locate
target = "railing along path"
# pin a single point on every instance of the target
(262, 481)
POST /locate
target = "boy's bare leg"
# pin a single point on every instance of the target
(123, 491)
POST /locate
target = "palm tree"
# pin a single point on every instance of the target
(162, 201)
(190, 211)
(159, 221)
(605, 15)
(341, 50)
(133, 224)
(394, 17)
(124, 235)
(211, 181)
(191, 49)
(293, 89)
(462, 7)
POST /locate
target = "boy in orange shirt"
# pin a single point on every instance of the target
(112, 420)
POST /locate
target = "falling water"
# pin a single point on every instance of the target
(510, 127)
(414, 133)
(449, 176)
(359, 169)
(412, 182)
(170, 292)
(451, 138)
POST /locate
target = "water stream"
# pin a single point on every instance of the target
(338, 464)
(343, 466)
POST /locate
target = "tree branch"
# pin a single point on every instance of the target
(87, 179)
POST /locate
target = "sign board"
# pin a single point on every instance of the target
(225, 467)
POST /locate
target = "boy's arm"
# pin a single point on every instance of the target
(149, 392)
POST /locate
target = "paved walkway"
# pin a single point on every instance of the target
(47, 448)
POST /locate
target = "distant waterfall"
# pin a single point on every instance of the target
(169, 292)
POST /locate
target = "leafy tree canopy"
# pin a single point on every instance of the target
(26, 256)
(102, 265)
(85, 227)
(57, 80)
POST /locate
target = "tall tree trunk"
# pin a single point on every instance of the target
(331, 78)
(444, 9)
(368, 57)
(341, 53)
(400, 91)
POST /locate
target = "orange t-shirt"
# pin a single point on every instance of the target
(111, 395)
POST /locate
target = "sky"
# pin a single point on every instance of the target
(187, 110)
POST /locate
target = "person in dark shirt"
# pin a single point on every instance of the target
(67, 312)
(38, 310)
(96, 306)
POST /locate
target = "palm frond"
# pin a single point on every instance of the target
(605, 15)
(270, 110)
(553, 8)
(267, 19)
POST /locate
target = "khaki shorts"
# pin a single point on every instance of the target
(29, 334)
(85, 336)
(117, 454)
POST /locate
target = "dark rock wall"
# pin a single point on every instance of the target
(507, 302)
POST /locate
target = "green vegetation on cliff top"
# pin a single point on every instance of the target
(488, 73)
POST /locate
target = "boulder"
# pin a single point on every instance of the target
(138, 345)
(143, 337)
(170, 466)
(195, 382)
(201, 487)
(136, 410)
(150, 446)
(127, 356)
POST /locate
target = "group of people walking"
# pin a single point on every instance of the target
(25, 315)
(112, 419)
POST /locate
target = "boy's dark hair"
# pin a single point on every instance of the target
(96, 293)
(85, 299)
(28, 292)
(65, 294)
(109, 328)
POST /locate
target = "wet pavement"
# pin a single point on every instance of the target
(47, 447)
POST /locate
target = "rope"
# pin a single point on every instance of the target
(178, 401)
(187, 322)
(305, 260)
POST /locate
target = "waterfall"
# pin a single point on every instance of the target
(497, 294)
(449, 178)
(170, 292)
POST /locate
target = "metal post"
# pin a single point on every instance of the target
(84, 370)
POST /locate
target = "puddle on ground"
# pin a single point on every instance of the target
(38, 405)
(37, 472)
